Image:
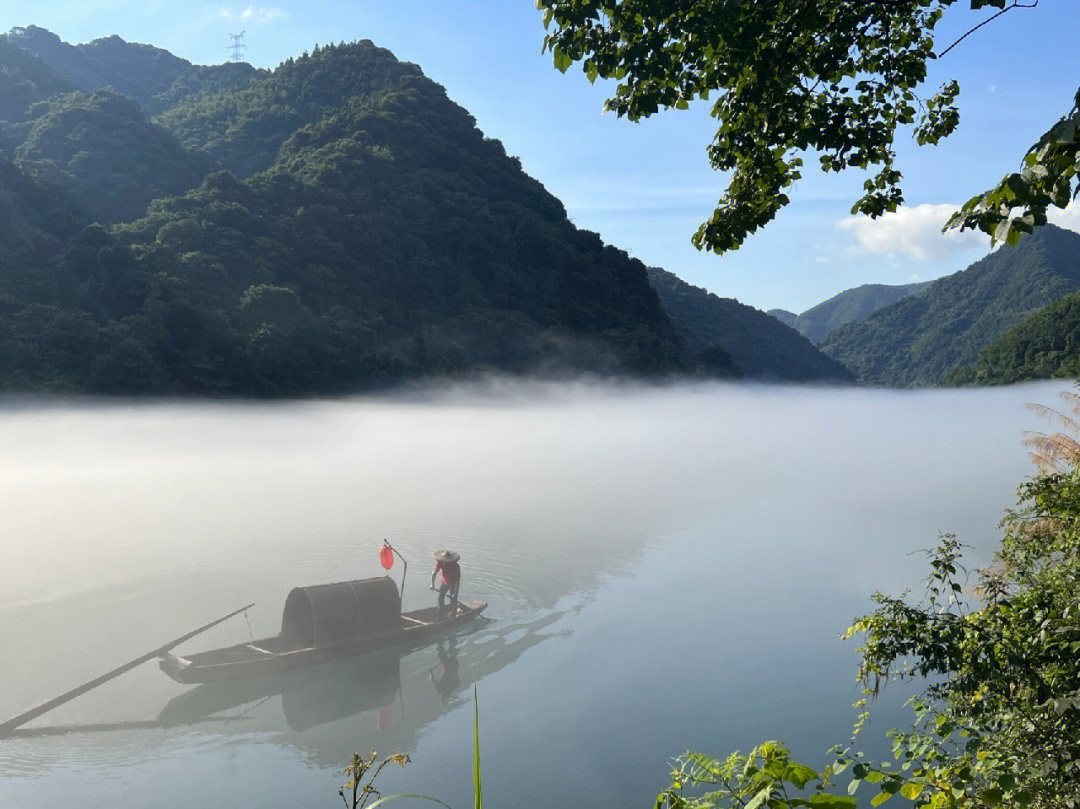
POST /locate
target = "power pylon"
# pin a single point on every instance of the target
(238, 47)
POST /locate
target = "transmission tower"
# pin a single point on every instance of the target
(238, 47)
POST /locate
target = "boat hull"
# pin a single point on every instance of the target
(266, 657)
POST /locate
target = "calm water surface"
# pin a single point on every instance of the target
(665, 568)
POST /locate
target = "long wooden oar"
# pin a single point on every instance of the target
(45, 707)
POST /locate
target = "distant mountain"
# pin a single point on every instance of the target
(920, 339)
(141, 72)
(1045, 345)
(760, 347)
(784, 316)
(849, 306)
(335, 224)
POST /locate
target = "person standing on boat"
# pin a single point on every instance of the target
(446, 562)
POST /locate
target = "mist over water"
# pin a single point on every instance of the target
(666, 568)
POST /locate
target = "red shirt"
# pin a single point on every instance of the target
(451, 572)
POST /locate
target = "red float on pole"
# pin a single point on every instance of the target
(386, 557)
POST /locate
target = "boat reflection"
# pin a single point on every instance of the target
(380, 700)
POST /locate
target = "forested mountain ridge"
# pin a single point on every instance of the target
(759, 346)
(850, 306)
(920, 339)
(376, 235)
(151, 76)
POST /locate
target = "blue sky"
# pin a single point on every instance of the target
(646, 187)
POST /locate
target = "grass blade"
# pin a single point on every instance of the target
(408, 795)
(478, 797)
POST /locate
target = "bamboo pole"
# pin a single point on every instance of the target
(45, 707)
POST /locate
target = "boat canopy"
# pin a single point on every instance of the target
(332, 613)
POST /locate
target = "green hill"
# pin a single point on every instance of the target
(382, 237)
(920, 339)
(1045, 345)
(849, 306)
(759, 346)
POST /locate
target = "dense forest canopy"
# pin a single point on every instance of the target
(1045, 345)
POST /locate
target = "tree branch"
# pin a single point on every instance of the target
(970, 31)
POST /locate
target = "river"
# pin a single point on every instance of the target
(666, 568)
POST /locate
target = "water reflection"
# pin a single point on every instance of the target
(447, 681)
(382, 700)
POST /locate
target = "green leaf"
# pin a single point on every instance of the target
(1063, 132)
(562, 59)
(799, 774)
(827, 801)
(758, 799)
(912, 790)
(880, 798)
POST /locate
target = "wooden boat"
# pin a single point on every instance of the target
(323, 623)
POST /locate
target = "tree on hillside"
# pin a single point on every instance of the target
(837, 77)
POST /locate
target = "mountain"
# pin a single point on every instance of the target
(759, 346)
(849, 306)
(919, 339)
(335, 224)
(1045, 345)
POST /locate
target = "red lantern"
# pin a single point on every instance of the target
(386, 557)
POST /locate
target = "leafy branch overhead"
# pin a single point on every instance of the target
(835, 77)
(1020, 201)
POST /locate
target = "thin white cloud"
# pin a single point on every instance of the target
(913, 231)
(258, 15)
(263, 14)
(1068, 218)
